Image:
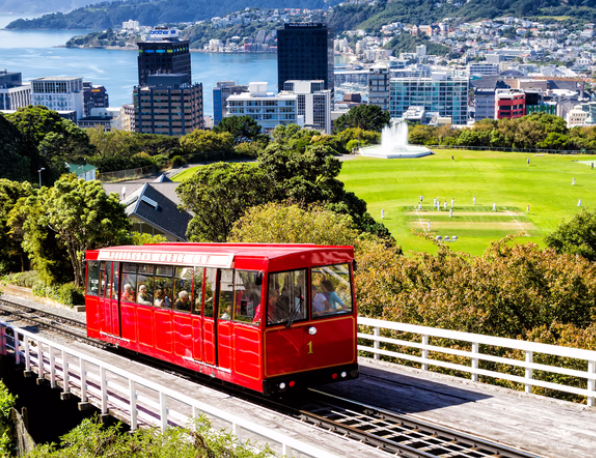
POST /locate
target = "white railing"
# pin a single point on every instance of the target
(134, 399)
(475, 356)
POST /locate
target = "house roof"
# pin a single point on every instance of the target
(80, 169)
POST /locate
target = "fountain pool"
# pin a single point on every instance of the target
(394, 144)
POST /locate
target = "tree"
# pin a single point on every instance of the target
(84, 218)
(291, 223)
(12, 255)
(219, 194)
(243, 128)
(57, 140)
(146, 239)
(577, 236)
(17, 156)
(367, 117)
(203, 142)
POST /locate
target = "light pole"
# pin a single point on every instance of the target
(39, 171)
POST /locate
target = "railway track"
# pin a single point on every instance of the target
(394, 433)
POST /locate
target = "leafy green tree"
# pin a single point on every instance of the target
(367, 117)
(242, 128)
(57, 140)
(219, 194)
(291, 223)
(83, 217)
(577, 236)
(146, 239)
(205, 143)
(17, 156)
(12, 255)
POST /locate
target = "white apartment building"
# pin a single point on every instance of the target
(577, 117)
(131, 25)
(314, 104)
(267, 108)
(483, 69)
(58, 93)
(12, 98)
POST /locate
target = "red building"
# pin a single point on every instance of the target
(510, 103)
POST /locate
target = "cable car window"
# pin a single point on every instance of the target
(286, 298)
(129, 282)
(331, 290)
(247, 295)
(102, 279)
(108, 290)
(165, 271)
(183, 289)
(146, 269)
(93, 278)
(115, 283)
(198, 290)
(226, 294)
(163, 287)
(210, 284)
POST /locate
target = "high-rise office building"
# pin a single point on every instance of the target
(62, 94)
(510, 103)
(162, 53)
(442, 94)
(168, 106)
(13, 93)
(378, 85)
(221, 92)
(314, 104)
(305, 52)
(94, 96)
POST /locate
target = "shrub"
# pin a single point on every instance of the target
(354, 144)
(178, 161)
(23, 279)
(69, 294)
(7, 402)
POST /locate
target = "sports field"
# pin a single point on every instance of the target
(396, 185)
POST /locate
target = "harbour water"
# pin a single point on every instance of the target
(34, 54)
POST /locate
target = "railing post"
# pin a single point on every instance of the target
(425, 352)
(17, 350)
(52, 368)
(591, 382)
(27, 354)
(65, 378)
(376, 343)
(104, 390)
(164, 410)
(83, 373)
(529, 371)
(286, 450)
(475, 350)
(237, 431)
(2, 340)
(133, 404)
(40, 367)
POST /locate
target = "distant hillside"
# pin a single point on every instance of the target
(106, 14)
(41, 6)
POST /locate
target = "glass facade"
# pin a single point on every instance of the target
(305, 52)
(163, 57)
(448, 97)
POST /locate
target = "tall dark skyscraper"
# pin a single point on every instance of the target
(163, 53)
(305, 52)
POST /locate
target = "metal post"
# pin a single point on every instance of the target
(52, 368)
(104, 390)
(376, 343)
(2, 340)
(133, 404)
(83, 373)
(164, 410)
(529, 372)
(65, 378)
(475, 350)
(591, 382)
(17, 349)
(425, 353)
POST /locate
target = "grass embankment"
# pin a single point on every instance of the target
(396, 185)
(187, 173)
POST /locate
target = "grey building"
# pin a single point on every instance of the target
(13, 93)
(378, 86)
(221, 92)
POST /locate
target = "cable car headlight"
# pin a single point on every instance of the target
(312, 330)
(282, 386)
(344, 374)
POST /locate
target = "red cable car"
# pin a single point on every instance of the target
(271, 318)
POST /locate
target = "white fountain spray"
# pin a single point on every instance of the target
(394, 144)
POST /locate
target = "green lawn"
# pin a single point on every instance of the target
(395, 185)
(187, 173)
